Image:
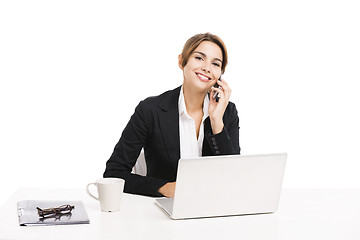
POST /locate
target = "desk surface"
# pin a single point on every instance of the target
(303, 214)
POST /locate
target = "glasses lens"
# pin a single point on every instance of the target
(65, 208)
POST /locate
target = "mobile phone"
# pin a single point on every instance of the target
(216, 93)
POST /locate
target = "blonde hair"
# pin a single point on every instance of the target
(193, 42)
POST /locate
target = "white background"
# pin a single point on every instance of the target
(72, 73)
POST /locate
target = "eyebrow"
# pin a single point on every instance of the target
(203, 54)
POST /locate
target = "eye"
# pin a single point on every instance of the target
(216, 64)
(199, 58)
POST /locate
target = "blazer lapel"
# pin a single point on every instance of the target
(168, 114)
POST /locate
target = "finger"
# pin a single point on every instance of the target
(212, 92)
(219, 91)
(224, 84)
(225, 87)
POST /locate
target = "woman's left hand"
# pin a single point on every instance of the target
(217, 109)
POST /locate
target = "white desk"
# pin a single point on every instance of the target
(302, 214)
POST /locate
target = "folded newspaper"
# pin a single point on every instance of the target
(29, 215)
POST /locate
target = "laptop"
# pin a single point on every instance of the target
(226, 185)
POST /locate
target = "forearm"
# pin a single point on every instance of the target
(221, 144)
(136, 184)
(226, 140)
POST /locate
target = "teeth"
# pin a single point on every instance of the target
(203, 77)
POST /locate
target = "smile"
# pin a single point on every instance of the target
(203, 77)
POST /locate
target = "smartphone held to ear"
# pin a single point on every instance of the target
(216, 95)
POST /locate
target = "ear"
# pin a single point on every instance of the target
(180, 62)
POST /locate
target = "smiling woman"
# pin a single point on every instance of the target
(204, 63)
(196, 40)
(181, 123)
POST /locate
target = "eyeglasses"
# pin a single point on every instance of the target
(63, 209)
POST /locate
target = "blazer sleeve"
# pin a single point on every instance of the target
(125, 155)
(227, 141)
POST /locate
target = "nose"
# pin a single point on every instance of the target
(206, 67)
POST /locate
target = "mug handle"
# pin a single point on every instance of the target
(88, 192)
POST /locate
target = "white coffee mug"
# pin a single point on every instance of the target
(110, 191)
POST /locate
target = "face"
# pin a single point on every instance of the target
(203, 68)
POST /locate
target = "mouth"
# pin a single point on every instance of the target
(203, 77)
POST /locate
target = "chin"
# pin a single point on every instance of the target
(198, 85)
(202, 87)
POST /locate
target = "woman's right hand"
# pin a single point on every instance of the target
(168, 190)
(217, 109)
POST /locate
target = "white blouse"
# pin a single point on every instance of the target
(190, 145)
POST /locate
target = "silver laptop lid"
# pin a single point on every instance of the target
(228, 185)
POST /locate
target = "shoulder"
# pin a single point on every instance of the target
(164, 100)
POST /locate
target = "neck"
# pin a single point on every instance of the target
(193, 100)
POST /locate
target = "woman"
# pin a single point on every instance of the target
(180, 123)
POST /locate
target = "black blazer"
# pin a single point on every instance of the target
(155, 127)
